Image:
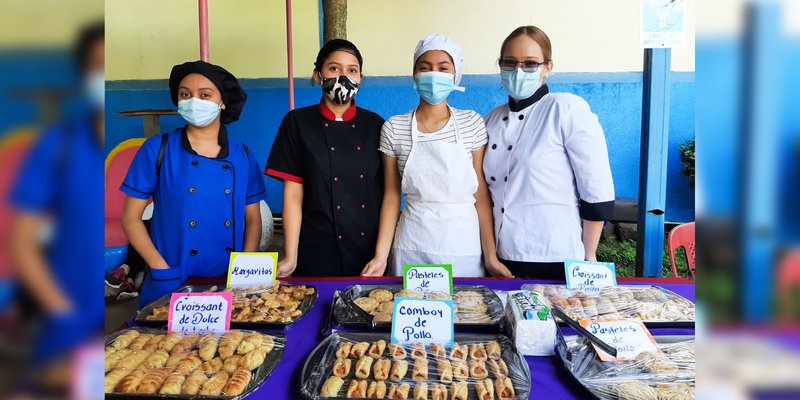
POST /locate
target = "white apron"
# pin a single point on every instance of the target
(440, 223)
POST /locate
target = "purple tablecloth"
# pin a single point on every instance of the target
(550, 379)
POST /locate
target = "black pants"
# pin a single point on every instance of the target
(536, 270)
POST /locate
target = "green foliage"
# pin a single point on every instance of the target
(687, 160)
(623, 255)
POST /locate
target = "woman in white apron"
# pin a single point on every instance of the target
(434, 155)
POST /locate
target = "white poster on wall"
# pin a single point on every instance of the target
(663, 23)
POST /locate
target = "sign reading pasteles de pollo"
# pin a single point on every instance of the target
(422, 321)
(200, 312)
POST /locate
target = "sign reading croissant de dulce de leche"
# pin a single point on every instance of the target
(252, 268)
(200, 312)
(422, 321)
(428, 278)
(590, 277)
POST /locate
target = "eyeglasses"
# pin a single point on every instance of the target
(527, 66)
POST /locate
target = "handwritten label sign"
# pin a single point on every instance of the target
(200, 312)
(422, 321)
(428, 278)
(589, 277)
(629, 336)
(252, 268)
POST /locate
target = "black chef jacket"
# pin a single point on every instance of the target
(339, 166)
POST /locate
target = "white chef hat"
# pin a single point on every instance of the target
(441, 42)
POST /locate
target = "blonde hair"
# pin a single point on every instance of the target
(534, 33)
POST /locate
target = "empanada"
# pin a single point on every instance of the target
(212, 366)
(250, 343)
(238, 382)
(363, 367)
(399, 391)
(484, 389)
(342, 367)
(113, 378)
(421, 391)
(377, 349)
(418, 350)
(438, 391)
(399, 370)
(131, 382)
(376, 390)
(208, 346)
(228, 343)
(458, 391)
(213, 386)
(153, 380)
(343, 351)
(498, 368)
(358, 350)
(420, 372)
(445, 371)
(380, 369)
(494, 351)
(331, 387)
(459, 352)
(357, 389)
(397, 351)
(504, 389)
(478, 352)
(124, 340)
(460, 370)
(173, 384)
(437, 351)
(194, 382)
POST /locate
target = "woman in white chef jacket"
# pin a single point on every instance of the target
(434, 154)
(546, 165)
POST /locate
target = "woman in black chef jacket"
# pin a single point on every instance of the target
(327, 157)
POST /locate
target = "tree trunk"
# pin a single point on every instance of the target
(335, 19)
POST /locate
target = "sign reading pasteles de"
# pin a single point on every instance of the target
(422, 321)
(428, 278)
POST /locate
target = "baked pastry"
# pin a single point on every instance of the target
(175, 359)
(438, 391)
(124, 340)
(267, 344)
(331, 387)
(357, 389)
(494, 351)
(111, 360)
(112, 379)
(131, 382)
(153, 380)
(238, 382)
(189, 364)
(376, 390)
(232, 363)
(630, 390)
(377, 349)
(208, 346)
(253, 359)
(445, 370)
(156, 359)
(153, 343)
(410, 294)
(504, 389)
(418, 350)
(386, 307)
(358, 350)
(399, 391)
(459, 352)
(380, 369)
(421, 391)
(250, 343)
(133, 359)
(484, 389)
(214, 385)
(170, 340)
(343, 351)
(399, 370)
(139, 341)
(342, 367)
(498, 368)
(460, 370)
(459, 391)
(228, 343)
(397, 351)
(367, 304)
(478, 352)
(420, 372)
(212, 366)
(173, 384)
(381, 316)
(363, 366)
(437, 351)
(680, 391)
(194, 382)
(437, 296)
(186, 344)
(477, 369)
(468, 296)
(381, 295)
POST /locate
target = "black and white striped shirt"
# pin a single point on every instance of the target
(396, 134)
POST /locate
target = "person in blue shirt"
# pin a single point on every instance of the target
(206, 187)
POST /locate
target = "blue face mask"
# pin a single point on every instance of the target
(520, 84)
(198, 112)
(94, 87)
(434, 87)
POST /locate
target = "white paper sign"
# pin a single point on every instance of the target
(422, 321)
(663, 23)
(428, 278)
(200, 312)
(590, 277)
(629, 336)
(252, 269)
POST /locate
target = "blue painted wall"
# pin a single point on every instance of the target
(614, 97)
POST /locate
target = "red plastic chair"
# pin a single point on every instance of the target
(788, 277)
(117, 164)
(13, 150)
(682, 236)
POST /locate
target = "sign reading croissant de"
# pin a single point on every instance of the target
(422, 321)
(252, 268)
(590, 277)
(200, 312)
(428, 278)
(630, 337)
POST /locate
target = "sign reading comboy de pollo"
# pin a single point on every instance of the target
(200, 312)
(422, 321)
(428, 278)
(590, 277)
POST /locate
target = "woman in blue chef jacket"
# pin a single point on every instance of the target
(205, 186)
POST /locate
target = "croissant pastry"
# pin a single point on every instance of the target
(380, 369)
(173, 384)
(484, 389)
(358, 350)
(376, 390)
(213, 386)
(124, 340)
(363, 367)
(377, 348)
(250, 343)
(175, 359)
(399, 391)
(232, 363)
(357, 389)
(399, 370)
(420, 372)
(499, 368)
(186, 344)
(460, 370)
(111, 360)
(438, 391)
(504, 389)
(438, 351)
(138, 342)
(170, 340)
(153, 380)
(343, 351)
(459, 352)
(132, 360)
(478, 352)
(194, 382)
(267, 344)
(252, 360)
(458, 391)
(331, 387)
(189, 364)
(445, 371)
(208, 346)
(477, 369)
(113, 378)
(494, 351)
(131, 382)
(212, 366)
(238, 382)
(229, 342)
(157, 359)
(397, 351)
(342, 367)
(421, 391)
(418, 350)
(154, 342)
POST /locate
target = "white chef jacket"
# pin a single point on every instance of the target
(547, 168)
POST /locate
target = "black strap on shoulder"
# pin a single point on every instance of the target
(160, 159)
(246, 150)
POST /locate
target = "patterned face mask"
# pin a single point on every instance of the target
(340, 89)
